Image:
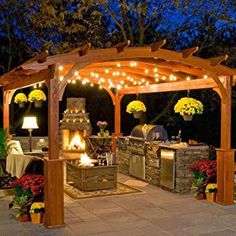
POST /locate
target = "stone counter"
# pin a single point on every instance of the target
(184, 158)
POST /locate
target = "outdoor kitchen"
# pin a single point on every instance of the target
(156, 160)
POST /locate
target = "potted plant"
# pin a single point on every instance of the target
(137, 108)
(37, 210)
(187, 107)
(211, 190)
(20, 99)
(22, 203)
(27, 189)
(204, 172)
(37, 96)
(3, 151)
(102, 126)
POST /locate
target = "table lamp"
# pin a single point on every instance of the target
(30, 123)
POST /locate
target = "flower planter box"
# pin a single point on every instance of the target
(92, 178)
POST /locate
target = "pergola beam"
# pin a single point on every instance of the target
(31, 79)
(214, 61)
(169, 87)
(157, 45)
(189, 52)
(120, 47)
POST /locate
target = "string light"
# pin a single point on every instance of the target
(73, 81)
(146, 71)
(118, 64)
(163, 77)
(155, 70)
(118, 87)
(188, 78)
(91, 84)
(157, 80)
(205, 77)
(61, 78)
(106, 71)
(123, 74)
(156, 75)
(61, 68)
(76, 73)
(133, 63)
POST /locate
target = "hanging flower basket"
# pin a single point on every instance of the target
(187, 107)
(37, 96)
(137, 114)
(187, 117)
(38, 104)
(21, 104)
(137, 108)
(20, 99)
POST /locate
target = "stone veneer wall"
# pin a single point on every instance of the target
(185, 157)
(36, 144)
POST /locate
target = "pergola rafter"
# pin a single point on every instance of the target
(57, 70)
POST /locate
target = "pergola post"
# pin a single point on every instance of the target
(7, 96)
(53, 168)
(5, 110)
(117, 124)
(225, 155)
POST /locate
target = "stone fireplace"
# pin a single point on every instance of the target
(75, 127)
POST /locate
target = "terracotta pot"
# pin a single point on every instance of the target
(137, 114)
(211, 197)
(21, 104)
(38, 104)
(36, 218)
(187, 117)
(23, 218)
(200, 196)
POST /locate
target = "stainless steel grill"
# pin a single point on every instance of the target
(149, 132)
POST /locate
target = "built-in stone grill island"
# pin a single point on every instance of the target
(158, 162)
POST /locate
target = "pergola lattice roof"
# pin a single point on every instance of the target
(126, 69)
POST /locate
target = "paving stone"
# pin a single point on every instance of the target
(154, 212)
(221, 233)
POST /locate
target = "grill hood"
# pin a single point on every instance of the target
(149, 132)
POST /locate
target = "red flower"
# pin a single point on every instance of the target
(30, 183)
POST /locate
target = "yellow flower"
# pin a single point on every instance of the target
(20, 97)
(37, 95)
(37, 207)
(136, 105)
(189, 106)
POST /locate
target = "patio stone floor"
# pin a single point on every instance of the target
(152, 212)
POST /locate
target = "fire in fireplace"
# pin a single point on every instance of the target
(75, 127)
(85, 160)
(77, 143)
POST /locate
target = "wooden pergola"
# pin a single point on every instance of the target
(122, 70)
